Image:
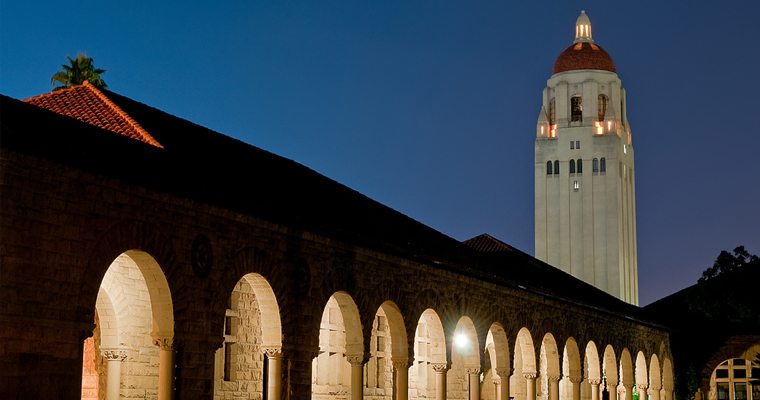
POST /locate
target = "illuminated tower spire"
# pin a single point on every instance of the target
(583, 29)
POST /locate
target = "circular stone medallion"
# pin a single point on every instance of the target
(201, 256)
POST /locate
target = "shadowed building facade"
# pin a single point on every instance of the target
(584, 176)
(144, 256)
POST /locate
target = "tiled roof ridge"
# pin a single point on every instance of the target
(487, 243)
(143, 135)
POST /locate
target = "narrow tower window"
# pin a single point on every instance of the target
(603, 166)
(602, 107)
(552, 113)
(556, 167)
(576, 108)
(548, 168)
(572, 166)
(595, 165)
(580, 165)
(572, 145)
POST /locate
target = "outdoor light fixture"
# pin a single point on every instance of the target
(460, 340)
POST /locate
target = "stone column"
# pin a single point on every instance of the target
(553, 386)
(357, 376)
(474, 374)
(656, 392)
(166, 353)
(628, 392)
(642, 391)
(113, 384)
(502, 388)
(576, 388)
(402, 379)
(274, 375)
(530, 386)
(612, 389)
(595, 388)
(440, 380)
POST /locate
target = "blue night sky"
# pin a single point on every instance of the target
(430, 107)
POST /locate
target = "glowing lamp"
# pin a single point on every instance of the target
(460, 340)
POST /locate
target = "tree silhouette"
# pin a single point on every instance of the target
(80, 70)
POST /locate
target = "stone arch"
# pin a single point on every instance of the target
(497, 346)
(523, 363)
(668, 383)
(655, 377)
(136, 314)
(429, 348)
(399, 343)
(122, 237)
(437, 336)
(571, 369)
(610, 369)
(626, 370)
(271, 326)
(571, 366)
(524, 344)
(549, 366)
(642, 377)
(465, 342)
(592, 362)
(108, 323)
(352, 321)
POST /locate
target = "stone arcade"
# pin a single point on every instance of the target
(144, 256)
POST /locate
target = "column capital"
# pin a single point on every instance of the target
(439, 368)
(356, 360)
(530, 375)
(502, 372)
(594, 382)
(114, 355)
(165, 343)
(643, 387)
(400, 364)
(553, 378)
(274, 352)
(576, 380)
(473, 371)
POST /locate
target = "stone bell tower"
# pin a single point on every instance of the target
(584, 175)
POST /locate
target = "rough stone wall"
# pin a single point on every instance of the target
(63, 227)
(125, 285)
(89, 373)
(242, 331)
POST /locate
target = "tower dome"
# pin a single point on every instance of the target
(583, 53)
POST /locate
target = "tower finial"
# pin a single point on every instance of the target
(583, 29)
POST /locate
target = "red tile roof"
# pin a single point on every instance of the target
(88, 104)
(487, 244)
(583, 55)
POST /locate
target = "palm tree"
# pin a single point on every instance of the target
(80, 70)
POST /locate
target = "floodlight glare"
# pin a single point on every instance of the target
(460, 340)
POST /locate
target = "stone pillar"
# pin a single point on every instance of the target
(530, 386)
(502, 388)
(576, 388)
(402, 379)
(440, 380)
(166, 353)
(642, 391)
(113, 384)
(274, 376)
(554, 387)
(595, 388)
(628, 392)
(357, 376)
(656, 393)
(612, 389)
(474, 374)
